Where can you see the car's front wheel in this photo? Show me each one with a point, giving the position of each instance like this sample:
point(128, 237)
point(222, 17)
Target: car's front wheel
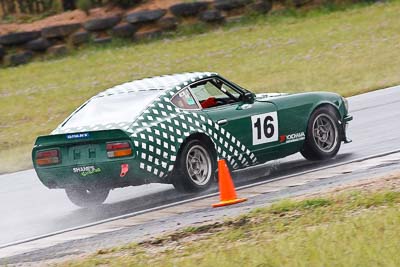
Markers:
point(86, 198)
point(323, 136)
point(195, 167)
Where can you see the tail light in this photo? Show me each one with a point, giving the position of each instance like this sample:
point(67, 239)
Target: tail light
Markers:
point(118, 149)
point(48, 157)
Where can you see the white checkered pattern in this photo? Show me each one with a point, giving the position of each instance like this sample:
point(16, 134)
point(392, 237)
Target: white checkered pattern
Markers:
point(161, 129)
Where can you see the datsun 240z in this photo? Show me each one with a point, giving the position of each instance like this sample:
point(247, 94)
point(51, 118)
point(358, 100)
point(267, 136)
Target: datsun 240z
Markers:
point(173, 128)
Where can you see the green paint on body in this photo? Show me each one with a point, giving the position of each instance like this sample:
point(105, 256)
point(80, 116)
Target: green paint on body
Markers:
point(245, 132)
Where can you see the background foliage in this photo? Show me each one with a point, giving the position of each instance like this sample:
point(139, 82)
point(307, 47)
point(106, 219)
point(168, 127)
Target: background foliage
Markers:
point(48, 7)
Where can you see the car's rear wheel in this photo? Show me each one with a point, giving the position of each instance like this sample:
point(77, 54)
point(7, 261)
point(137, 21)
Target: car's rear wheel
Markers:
point(195, 167)
point(85, 197)
point(323, 136)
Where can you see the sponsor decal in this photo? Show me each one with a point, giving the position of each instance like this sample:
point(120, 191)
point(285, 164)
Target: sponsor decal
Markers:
point(190, 101)
point(87, 170)
point(77, 136)
point(292, 137)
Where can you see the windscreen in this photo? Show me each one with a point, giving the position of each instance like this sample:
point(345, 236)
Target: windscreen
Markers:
point(112, 109)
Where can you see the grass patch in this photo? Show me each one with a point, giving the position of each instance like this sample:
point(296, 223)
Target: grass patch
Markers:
point(355, 228)
point(289, 205)
point(348, 51)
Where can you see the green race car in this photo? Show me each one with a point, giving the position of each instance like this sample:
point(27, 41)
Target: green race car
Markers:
point(173, 128)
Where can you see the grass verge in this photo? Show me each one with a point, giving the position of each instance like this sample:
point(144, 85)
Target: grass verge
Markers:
point(350, 228)
point(349, 52)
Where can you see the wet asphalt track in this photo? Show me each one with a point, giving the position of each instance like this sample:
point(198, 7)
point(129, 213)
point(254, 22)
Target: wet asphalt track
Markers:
point(29, 209)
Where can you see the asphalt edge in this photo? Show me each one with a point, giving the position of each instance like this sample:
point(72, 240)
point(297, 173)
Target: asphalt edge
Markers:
point(125, 216)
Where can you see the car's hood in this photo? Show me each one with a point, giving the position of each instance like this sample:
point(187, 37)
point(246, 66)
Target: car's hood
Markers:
point(268, 96)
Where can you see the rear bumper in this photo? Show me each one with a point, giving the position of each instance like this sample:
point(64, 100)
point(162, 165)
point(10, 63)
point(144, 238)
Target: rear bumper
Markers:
point(99, 174)
point(345, 124)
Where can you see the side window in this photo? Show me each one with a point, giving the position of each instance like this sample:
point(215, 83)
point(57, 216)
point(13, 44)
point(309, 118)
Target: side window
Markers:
point(184, 100)
point(206, 90)
point(213, 92)
point(226, 88)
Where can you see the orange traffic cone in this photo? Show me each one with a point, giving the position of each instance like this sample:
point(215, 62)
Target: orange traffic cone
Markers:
point(226, 187)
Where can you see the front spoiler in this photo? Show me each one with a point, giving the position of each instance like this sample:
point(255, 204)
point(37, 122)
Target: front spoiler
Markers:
point(345, 124)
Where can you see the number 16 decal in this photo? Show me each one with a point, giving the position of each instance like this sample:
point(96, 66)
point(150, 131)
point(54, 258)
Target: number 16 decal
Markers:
point(265, 128)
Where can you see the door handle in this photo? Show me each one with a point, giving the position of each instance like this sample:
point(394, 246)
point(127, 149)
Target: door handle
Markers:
point(222, 122)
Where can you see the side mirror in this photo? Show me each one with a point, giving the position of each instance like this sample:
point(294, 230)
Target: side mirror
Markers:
point(248, 97)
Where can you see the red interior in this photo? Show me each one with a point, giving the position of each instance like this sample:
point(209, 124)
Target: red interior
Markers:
point(209, 102)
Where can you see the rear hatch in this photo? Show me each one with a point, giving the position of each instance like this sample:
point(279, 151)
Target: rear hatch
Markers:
point(80, 148)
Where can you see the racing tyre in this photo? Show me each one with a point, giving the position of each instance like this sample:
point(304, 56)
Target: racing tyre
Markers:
point(195, 168)
point(86, 198)
point(323, 135)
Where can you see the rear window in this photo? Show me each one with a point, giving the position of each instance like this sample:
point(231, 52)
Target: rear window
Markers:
point(112, 109)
